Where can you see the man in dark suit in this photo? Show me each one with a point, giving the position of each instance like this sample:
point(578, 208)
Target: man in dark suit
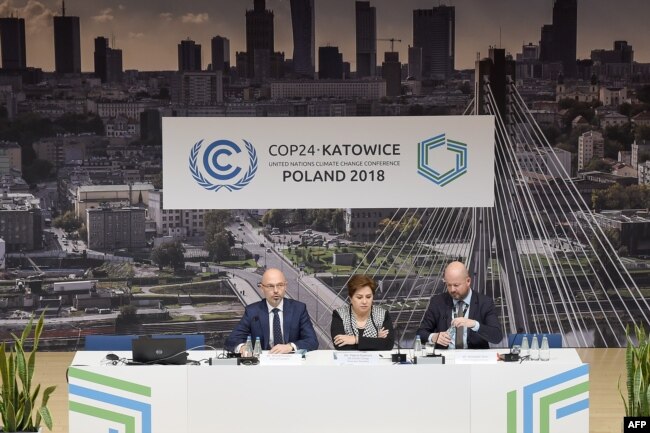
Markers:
point(283, 325)
point(460, 318)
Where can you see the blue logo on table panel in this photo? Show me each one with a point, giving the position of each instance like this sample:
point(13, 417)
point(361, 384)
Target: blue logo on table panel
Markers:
point(222, 164)
point(433, 170)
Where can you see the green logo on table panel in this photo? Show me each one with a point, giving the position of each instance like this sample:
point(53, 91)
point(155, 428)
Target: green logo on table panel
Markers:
point(552, 391)
point(116, 402)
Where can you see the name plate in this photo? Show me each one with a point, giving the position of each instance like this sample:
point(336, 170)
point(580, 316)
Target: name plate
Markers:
point(280, 359)
point(475, 357)
point(356, 358)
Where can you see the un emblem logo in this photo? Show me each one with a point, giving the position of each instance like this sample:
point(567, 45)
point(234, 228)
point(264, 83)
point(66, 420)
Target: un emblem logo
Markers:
point(223, 165)
point(433, 170)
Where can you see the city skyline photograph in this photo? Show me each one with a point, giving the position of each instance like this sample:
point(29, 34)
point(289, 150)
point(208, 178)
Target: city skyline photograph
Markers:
point(166, 168)
point(148, 31)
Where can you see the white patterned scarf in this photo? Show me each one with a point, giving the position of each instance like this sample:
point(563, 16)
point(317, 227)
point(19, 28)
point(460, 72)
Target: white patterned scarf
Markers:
point(375, 320)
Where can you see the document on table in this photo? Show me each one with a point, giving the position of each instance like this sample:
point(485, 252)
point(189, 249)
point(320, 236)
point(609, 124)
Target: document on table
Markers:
point(475, 357)
point(356, 358)
point(281, 359)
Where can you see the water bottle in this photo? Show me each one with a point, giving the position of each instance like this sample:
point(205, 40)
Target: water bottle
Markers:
point(452, 333)
point(525, 349)
point(417, 346)
point(544, 351)
point(534, 349)
point(257, 349)
point(248, 348)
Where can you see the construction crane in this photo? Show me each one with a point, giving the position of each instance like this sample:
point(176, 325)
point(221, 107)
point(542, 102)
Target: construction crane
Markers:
point(392, 42)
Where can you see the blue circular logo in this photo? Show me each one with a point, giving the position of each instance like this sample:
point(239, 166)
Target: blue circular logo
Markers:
point(221, 165)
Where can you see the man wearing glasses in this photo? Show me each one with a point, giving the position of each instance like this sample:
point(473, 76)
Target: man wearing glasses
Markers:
point(461, 318)
point(283, 325)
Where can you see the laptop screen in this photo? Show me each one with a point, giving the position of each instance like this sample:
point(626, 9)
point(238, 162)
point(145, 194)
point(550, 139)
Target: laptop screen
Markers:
point(147, 350)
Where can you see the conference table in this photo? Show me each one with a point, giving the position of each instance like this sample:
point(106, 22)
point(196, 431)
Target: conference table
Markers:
point(330, 391)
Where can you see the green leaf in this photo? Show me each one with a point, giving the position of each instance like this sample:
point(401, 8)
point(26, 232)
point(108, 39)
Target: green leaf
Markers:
point(10, 420)
point(629, 366)
point(21, 366)
point(46, 394)
point(18, 407)
point(627, 411)
point(45, 414)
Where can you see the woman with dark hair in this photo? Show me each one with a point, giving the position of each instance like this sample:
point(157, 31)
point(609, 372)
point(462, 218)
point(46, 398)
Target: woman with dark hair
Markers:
point(360, 325)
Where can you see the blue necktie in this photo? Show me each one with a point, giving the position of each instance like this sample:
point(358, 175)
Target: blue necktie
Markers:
point(277, 329)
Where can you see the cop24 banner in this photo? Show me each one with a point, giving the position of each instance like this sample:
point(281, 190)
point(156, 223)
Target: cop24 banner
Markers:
point(328, 162)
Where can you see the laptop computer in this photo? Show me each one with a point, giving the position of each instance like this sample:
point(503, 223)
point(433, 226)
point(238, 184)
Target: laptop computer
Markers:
point(147, 350)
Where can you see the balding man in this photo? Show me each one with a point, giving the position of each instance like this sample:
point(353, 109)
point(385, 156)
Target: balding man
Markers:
point(283, 325)
point(470, 314)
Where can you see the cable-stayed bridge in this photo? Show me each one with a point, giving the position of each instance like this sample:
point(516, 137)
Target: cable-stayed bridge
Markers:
point(539, 252)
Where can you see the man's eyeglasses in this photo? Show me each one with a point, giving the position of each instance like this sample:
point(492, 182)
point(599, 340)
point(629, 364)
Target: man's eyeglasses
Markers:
point(273, 286)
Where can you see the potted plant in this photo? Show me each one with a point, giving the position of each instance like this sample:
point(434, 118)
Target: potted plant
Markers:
point(19, 411)
point(637, 363)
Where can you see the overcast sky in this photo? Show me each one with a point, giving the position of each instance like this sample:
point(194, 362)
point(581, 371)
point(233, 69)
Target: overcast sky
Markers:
point(148, 31)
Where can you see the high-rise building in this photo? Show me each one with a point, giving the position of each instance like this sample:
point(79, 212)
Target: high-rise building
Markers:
point(220, 54)
point(366, 32)
point(150, 125)
point(114, 67)
point(67, 45)
point(108, 61)
point(565, 35)
point(259, 36)
point(241, 64)
point(391, 71)
point(330, 63)
point(347, 70)
point(183, 222)
point(10, 157)
point(101, 46)
point(20, 221)
point(627, 53)
point(197, 88)
point(12, 37)
point(189, 56)
point(546, 43)
point(415, 63)
point(528, 64)
point(434, 30)
point(341, 89)
point(622, 53)
point(115, 228)
point(590, 145)
point(304, 37)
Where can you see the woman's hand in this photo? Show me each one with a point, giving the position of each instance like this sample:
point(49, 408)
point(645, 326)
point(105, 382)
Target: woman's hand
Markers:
point(345, 340)
point(383, 333)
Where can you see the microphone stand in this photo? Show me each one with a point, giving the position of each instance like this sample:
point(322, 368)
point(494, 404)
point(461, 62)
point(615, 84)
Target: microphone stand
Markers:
point(399, 357)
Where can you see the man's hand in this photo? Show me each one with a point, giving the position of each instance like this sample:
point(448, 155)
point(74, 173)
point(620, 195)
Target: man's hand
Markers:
point(443, 339)
point(345, 340)
point(463, 321)
point(282, 348)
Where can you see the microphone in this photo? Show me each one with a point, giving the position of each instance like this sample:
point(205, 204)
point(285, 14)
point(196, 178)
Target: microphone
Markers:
point(513, 356)
point(514, 338)
point(255, 319)
point(399, 357)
